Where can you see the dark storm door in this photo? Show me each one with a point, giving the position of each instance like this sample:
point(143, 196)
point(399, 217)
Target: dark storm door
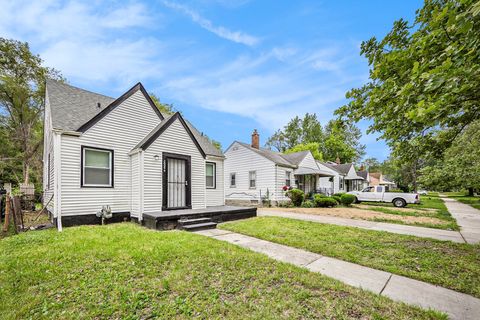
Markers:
point(176, 186)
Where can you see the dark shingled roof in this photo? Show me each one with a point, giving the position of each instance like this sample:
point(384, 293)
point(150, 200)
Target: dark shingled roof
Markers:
point(362, 174)
point(340, 168)
point(276, 157)
point(343, 168)
point(291, 160)
point(72, 107)
point(296, 157)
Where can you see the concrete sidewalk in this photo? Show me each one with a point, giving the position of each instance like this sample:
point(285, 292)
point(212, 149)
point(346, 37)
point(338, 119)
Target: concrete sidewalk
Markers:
point(456, 305)
point(438, 234)
point(468, 218)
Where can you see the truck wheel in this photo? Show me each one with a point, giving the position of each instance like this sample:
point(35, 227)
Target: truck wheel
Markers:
point(399, 202)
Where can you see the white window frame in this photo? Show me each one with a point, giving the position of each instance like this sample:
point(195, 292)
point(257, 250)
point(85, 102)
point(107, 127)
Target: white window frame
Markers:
point(288, 178)
point(214, 186)
point(254, 180)
point(233, 174)
point(110, 176)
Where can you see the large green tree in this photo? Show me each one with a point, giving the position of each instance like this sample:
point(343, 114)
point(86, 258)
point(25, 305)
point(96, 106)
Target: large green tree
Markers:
point(313, 147)
point(336, 139)
point(22, 93)
point(460, 166)
point(423, 88)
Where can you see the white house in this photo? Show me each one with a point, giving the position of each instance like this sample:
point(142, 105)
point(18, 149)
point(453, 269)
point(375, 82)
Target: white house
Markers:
point(123, 153)
point(253, 173)
point(345, 177)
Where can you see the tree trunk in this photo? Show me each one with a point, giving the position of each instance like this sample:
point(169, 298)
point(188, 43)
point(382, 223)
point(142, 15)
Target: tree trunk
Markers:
point(470, 192)
point(26, 172)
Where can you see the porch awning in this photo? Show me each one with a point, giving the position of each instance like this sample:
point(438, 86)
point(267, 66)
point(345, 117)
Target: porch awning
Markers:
point(354, 178)
point(300, 171)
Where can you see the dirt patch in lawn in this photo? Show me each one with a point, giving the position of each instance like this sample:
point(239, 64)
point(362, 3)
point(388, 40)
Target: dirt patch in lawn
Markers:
point(407, 210)
point(362, 214)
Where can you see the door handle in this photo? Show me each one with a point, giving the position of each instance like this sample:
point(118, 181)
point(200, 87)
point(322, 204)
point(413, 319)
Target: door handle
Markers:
point(186, 183)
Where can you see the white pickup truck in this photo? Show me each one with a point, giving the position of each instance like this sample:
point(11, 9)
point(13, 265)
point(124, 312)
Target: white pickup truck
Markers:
point(379, 194)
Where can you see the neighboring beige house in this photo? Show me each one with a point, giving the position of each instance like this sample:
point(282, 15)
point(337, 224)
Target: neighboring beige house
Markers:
point(378, 179)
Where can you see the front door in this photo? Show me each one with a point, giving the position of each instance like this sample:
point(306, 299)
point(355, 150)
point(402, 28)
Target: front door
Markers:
point(176, 186)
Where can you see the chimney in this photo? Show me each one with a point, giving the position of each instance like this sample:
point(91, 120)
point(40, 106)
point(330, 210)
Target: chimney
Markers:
point(362, 167)
point(255, 139)
point(337, 161)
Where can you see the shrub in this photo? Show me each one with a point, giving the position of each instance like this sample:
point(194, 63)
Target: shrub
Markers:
point(338, 194)
point(308, 204)
point(325, 202)
point(337, 198)
point(347, 199)
point(285, 204)
point(297, 196)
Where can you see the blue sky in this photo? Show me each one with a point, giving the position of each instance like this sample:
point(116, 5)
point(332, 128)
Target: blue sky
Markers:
point(229, 66)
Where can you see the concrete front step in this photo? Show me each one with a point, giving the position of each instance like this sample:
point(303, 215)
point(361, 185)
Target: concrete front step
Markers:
point(186, 222)
point(199, 226)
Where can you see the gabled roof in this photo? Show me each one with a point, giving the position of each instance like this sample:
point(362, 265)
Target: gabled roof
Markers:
point(273, 156)
point(75, 109)
point(295, 158)
point(343, 168)
point(138, 87)
point(71, 107)
point(363, 174)
point(158, 130)
point(207, 146)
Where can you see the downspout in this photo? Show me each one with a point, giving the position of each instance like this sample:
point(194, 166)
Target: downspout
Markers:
point(141, 157)
point(57, 151)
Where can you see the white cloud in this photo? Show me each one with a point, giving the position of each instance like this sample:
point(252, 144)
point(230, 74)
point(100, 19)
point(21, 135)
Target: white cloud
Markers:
point(235, 36)
point(253, 87)
point(86, 41)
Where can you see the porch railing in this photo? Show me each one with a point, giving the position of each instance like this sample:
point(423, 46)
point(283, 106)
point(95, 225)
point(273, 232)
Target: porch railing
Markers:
point(325, 191)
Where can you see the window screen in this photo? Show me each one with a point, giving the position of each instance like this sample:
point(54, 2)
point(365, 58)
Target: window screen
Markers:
point(97, 168)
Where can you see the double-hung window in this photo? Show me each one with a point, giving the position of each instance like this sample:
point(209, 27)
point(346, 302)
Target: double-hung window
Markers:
point(97, 167)
point(252, 178)
point(210, 170)
point(288, 176)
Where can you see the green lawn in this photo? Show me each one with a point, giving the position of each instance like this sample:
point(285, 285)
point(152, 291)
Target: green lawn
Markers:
point(464, 198)
point(451, 265)
point(124, 271)
point(431, 201)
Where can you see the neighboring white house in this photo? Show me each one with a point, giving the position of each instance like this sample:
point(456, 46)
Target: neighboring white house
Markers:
point(123, 153)
point(345, 177)
point(253, 173)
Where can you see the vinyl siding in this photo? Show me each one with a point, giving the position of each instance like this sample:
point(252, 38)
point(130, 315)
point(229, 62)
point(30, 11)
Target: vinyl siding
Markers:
point(308, 162)
point(281, 180)
point(215, 197)
point(119, 130)
point(242, 161)
point(48, 150)
point(174, 139)
point(136, 177)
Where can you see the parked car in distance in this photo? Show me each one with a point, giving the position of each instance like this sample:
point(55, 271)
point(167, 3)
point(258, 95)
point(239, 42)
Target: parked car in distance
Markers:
point(422, 192)
point(380, 194)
